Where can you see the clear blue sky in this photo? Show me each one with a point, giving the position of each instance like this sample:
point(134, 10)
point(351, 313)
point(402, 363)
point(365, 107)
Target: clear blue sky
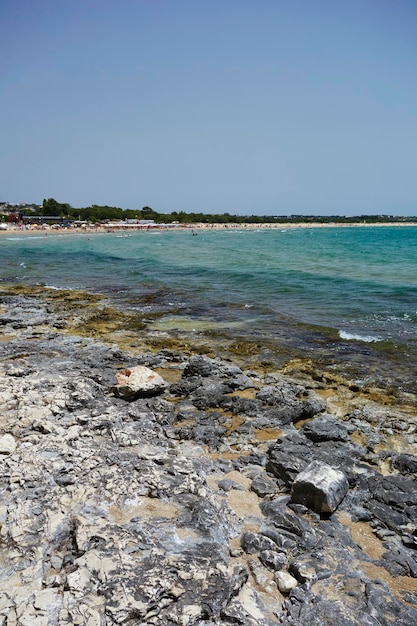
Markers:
point(265, 107)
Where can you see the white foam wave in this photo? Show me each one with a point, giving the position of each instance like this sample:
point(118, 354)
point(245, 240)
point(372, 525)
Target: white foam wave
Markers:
point(356, 337)
point(26, 237)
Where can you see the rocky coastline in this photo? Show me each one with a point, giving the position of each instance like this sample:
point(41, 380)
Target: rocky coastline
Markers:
point(172, 486)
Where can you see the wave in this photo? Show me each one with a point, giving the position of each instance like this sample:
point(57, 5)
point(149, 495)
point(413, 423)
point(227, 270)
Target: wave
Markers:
point(357, 337)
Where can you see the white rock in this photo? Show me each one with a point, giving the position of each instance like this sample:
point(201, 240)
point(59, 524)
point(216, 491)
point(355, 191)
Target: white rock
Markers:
point(138, 381)
point(285, 581)
point(7, 444)
point(93, 618)
point(46, 598)
point(247, 599)
point(189, 613)
point(6, 602)
point(30, 618)
point(79, 580)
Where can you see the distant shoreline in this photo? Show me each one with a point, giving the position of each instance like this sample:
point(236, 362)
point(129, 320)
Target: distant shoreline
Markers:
point(49, 230)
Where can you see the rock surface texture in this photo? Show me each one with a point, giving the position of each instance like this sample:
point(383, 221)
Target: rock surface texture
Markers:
point(181, 505)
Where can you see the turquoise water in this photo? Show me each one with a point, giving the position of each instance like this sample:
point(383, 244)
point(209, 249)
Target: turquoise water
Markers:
point(359, 282)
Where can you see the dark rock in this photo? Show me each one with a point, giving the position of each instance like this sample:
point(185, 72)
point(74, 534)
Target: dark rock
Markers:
point(199, 366)
point(409, 597)
point(204, 431)
point(385, 514)
point(285, 406)
point(312, 406)
point(306, 609)
point(277, 507)
point(299, 509)
point(211, 395)
point(289, 524)
point(409, 537)
point(240, 381)
point(254, 542)
point(303, 570)
point(284, 415)
point(272, 560)
point(326, 428)
point(389, 611)
point(282, 541)
point(286, 465)
point(289, 402)
point(263, 485)
point(405, 463)
point(291, 454)
point(398, 560)
point(238, 405)
point(393, 500)
point(185, 386)
point(227, 484)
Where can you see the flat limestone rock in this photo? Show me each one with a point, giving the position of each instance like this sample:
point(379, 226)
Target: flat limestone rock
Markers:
point(137, 382)
point(319, 487)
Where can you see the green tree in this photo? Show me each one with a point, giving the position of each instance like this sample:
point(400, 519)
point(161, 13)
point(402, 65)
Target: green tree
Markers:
point(149, 214)
point(52, 207)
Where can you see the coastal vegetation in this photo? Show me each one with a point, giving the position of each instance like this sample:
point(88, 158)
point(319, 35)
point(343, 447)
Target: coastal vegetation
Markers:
point(100, 213)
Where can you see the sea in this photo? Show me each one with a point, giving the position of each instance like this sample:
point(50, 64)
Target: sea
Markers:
point(345, 297)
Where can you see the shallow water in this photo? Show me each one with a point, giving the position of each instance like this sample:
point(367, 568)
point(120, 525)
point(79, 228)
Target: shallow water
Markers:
point(348, 295)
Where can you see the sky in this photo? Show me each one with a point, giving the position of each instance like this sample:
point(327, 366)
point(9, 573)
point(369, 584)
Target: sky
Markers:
point(249, 107)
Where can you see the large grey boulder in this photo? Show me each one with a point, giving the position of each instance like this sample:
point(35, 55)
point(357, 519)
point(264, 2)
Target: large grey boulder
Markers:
point(319, 487)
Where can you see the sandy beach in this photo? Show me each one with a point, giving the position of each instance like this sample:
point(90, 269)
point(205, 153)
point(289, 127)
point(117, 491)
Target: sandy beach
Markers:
point(47, 229)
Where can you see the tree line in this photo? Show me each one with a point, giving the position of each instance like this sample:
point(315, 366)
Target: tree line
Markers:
point(98, 213)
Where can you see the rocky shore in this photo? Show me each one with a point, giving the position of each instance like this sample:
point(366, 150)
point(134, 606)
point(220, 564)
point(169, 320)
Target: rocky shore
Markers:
point(162, 487)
